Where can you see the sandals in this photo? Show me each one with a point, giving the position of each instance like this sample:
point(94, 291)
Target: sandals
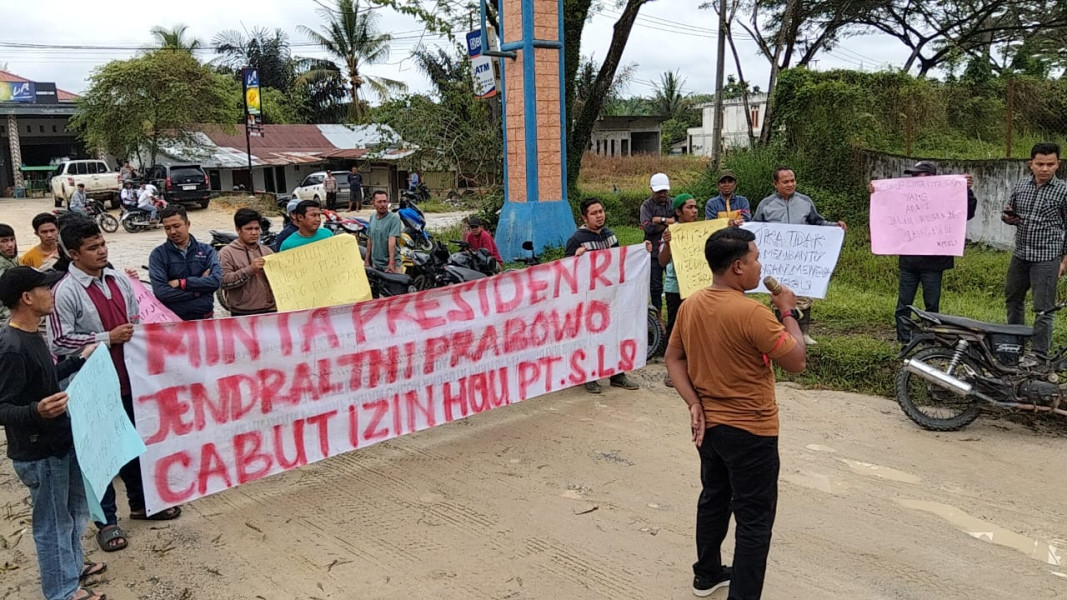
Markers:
point(166, 515)
point(90, 569)
point(87, 594)
point(107, 538)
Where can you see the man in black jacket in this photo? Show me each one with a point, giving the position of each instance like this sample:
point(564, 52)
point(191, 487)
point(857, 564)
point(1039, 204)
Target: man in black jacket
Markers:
point(40, 444)
point(924, 270)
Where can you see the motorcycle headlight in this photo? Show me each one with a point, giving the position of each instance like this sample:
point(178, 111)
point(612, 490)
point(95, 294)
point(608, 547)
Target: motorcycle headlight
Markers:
point(406, 241)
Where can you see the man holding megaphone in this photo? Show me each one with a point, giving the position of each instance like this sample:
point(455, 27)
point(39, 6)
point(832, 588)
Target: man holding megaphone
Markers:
point(719, 358)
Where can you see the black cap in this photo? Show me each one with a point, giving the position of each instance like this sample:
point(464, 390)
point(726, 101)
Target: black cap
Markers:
point(475, 222)
point(922, 168)
point(16, 281)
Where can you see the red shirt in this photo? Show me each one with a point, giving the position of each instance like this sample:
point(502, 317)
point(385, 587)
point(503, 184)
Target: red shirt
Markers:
point(483, 240)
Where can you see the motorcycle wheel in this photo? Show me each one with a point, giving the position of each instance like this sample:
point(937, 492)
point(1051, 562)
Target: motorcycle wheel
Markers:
point(130, 226)
point(221, 297)
point(930, 406)
point(109, 223)
point(657, 335)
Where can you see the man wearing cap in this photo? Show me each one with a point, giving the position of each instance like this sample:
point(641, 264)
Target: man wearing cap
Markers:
point(727, 205)
point(40, 444)
point(926, 271)
point(479, 238)
point(787, 205)
point(657, 212)
point(290, 226)
point(685, 211)
point(78, 200)
point(9, 253)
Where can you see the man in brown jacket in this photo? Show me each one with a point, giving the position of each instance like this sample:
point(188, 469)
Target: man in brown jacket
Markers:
point(244, 283)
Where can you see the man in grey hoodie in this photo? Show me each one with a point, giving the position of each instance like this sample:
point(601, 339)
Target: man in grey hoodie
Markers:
point(244, 283)
point(785, 205)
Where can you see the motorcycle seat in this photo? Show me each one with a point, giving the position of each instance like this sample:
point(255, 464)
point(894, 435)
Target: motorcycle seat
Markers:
point(973, 325)
point(399, 278)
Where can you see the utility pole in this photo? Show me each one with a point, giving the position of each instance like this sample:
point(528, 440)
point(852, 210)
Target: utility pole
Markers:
point(720, 64)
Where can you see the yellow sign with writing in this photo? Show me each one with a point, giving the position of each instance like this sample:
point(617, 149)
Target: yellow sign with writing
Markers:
point(326, 273)
point(687, 253)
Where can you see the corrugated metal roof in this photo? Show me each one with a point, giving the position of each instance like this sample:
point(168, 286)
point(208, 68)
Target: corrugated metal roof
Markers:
point(61, 95)
point(358, 136)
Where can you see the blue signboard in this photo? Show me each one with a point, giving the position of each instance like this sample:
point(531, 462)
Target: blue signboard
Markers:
point(18, 91)
point(251, 78)
point(474, 43)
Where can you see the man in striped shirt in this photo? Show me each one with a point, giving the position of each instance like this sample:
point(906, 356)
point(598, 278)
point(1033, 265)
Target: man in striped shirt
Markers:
point(1038, 210)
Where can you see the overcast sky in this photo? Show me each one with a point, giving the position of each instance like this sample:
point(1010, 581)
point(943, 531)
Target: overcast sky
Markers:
point(670, 35)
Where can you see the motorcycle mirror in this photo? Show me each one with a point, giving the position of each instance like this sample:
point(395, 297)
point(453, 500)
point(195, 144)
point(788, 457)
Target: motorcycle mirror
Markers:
point(528, 246)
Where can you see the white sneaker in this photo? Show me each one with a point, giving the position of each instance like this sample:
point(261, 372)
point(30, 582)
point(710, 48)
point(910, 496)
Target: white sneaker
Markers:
point(810, 341)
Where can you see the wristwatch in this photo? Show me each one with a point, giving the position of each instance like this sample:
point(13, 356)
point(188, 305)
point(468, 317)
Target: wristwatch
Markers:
point(792, 313)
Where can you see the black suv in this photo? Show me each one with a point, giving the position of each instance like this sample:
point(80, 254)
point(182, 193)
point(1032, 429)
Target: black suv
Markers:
point(184, 184)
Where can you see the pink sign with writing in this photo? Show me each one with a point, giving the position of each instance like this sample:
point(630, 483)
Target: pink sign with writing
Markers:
point(919, 215)
point(152, 310)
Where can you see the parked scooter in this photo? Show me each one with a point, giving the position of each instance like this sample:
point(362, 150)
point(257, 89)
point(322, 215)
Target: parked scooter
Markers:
point(351, 225)
point(481, 261)
point(415, 224)
point(95, 210)
point(384, 285)
point(221, 239)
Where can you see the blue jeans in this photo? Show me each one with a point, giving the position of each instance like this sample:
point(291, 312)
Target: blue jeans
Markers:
point(909, 286)
point(59, 518)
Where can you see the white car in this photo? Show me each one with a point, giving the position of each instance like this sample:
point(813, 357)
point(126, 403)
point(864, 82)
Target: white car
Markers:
point(311, 188)
point(100, 181)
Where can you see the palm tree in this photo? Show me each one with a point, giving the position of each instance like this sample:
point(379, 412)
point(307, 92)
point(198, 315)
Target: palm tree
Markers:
point(352, 38)
point(174, 38)
point(669, 100)
point(266, 51)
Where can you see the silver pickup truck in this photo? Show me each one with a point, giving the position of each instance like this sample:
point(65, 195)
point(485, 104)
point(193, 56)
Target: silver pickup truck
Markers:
point(100, 181)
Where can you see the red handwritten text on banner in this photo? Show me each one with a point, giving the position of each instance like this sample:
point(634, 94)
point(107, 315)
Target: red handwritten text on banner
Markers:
point(224, 402)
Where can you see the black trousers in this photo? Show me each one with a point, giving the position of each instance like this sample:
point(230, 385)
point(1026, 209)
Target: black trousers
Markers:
point(130, 473)
point(655, 285)
point(673, 302)
point(331, 200)
point(739, 472)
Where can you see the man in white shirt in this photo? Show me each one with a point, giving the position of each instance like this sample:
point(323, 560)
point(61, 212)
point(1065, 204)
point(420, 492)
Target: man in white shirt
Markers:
point(146, 200)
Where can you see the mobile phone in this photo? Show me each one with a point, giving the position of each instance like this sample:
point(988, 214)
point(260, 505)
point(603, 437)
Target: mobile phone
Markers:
point(1011, 212)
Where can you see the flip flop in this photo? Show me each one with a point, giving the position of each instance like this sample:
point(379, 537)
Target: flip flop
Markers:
point(109, 534)
point(90, 569)
point(165, 515)
point(88, 595)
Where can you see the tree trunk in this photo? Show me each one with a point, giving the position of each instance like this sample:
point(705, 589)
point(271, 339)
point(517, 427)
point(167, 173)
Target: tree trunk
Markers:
point(743, 83)
point(581, 130)
point(787, 17)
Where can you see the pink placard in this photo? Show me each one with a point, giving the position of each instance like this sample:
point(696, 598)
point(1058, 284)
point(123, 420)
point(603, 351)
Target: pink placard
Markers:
point(152, 310)
point(919, 215)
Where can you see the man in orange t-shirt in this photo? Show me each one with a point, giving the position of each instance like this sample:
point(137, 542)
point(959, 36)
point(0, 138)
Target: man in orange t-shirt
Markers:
point(719, 358)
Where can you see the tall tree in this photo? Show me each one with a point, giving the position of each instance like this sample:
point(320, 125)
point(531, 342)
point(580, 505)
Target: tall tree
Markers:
point(175, 38)
point(266, 51)
point(136, 107)
point(586, 77)
point(351, 37)
point(669, 100)
point(935, 31)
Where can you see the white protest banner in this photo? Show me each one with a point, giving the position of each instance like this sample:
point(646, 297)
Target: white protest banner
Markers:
point(800, 257)
point(919, 215)
point(223, 402)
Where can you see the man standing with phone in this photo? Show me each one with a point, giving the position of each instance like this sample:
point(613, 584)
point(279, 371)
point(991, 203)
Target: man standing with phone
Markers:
point(1038, 210)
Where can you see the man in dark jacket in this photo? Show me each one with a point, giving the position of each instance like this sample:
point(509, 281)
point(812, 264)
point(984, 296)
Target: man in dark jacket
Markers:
point(185, 273)
point(926, 271)
point(40, 444)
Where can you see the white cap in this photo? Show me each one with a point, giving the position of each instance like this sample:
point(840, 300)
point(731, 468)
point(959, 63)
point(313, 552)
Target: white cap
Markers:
point(292, 205)
point(660, 182)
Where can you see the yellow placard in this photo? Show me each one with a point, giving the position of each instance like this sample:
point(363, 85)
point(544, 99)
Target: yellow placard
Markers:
point(687, 253)
point(325, 273)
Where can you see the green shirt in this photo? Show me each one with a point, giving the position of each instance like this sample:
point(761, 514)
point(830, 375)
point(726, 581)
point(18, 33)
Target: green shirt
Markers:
point(379, 232)
point(5, 264)
point(670, 279)
point(296, 240)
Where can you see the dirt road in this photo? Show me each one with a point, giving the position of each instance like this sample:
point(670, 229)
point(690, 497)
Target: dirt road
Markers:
point(582, 497)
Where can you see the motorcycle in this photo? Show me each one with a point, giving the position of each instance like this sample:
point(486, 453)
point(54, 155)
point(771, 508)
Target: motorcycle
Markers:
point(481, 261)
point(420, 194)
point(351, 225)
point(962, 365)
point(415, 224)
point(384, 285)
point(96, 211)
point(221, 239)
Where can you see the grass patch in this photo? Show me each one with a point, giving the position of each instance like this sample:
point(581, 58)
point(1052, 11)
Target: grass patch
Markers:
point(630, 174)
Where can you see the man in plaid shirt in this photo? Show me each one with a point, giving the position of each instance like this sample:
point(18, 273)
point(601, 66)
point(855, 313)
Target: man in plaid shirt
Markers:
point(1038, 210)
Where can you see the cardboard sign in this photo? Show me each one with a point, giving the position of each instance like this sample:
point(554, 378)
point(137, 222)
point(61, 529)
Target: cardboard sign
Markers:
point(687, 252)
point(800, 257)
point(325, 273)
point(223, 402)
point(104, 438)
point(919, 215)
